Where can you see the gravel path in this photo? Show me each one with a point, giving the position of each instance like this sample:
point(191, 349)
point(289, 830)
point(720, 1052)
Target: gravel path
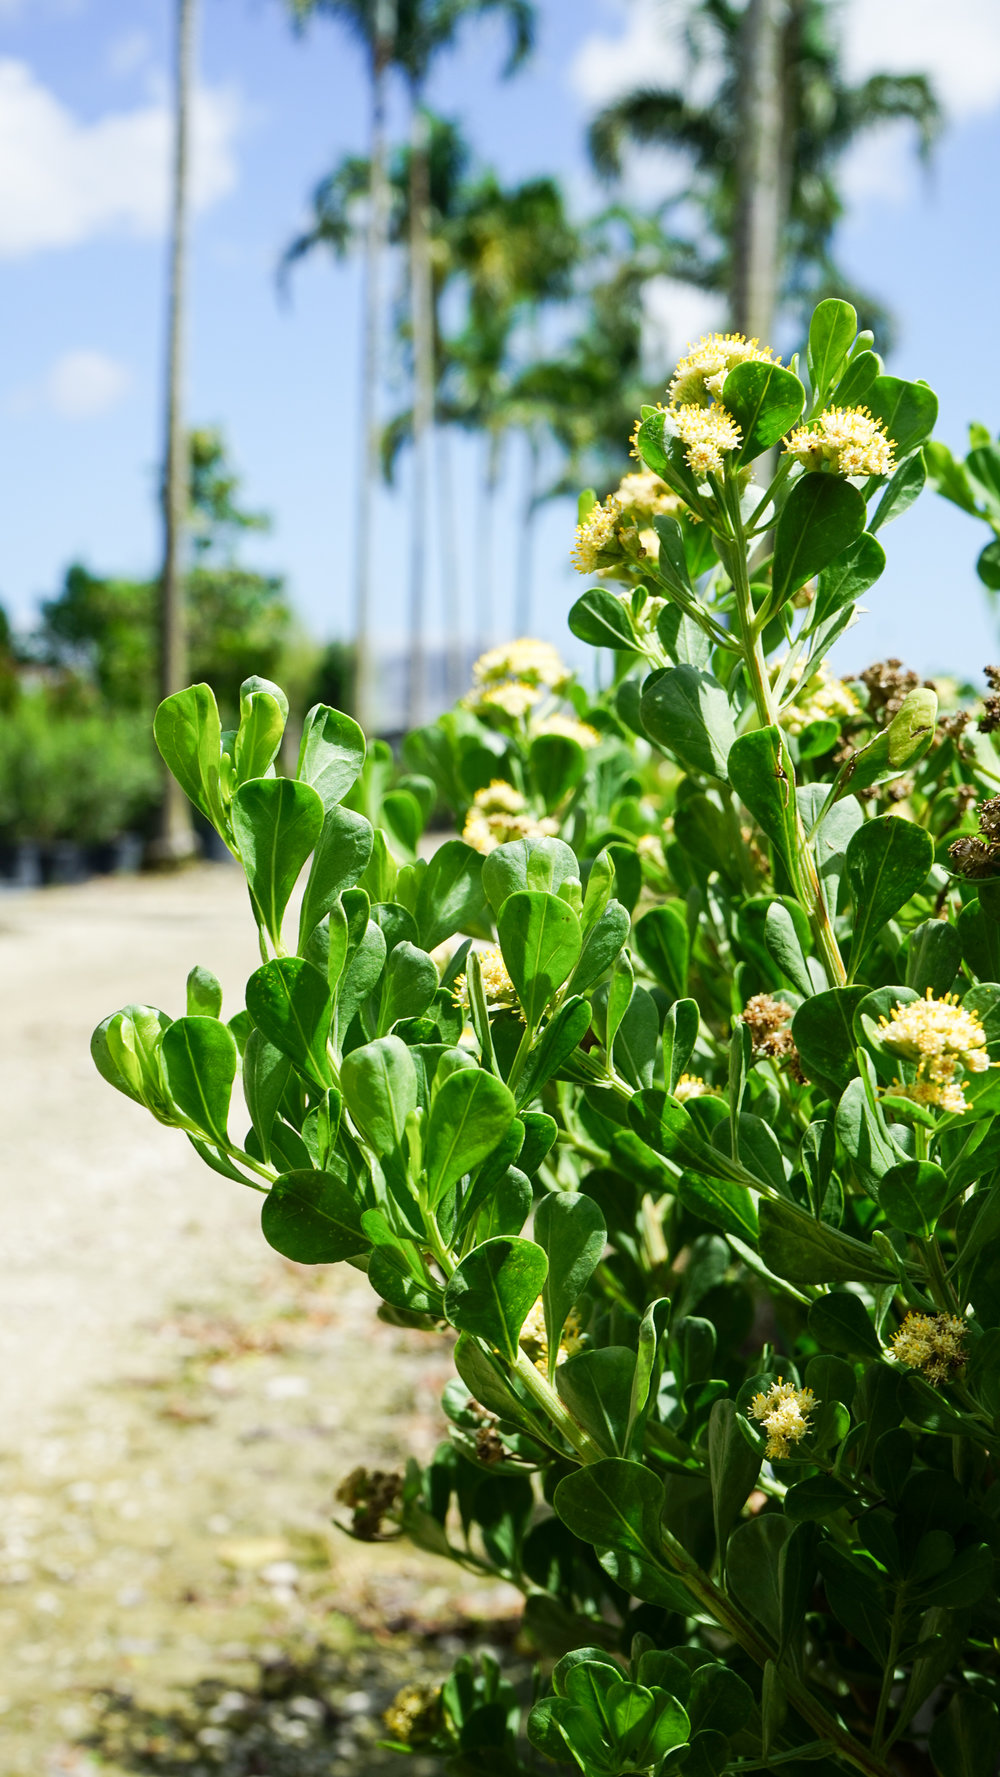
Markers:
point(177, 1404)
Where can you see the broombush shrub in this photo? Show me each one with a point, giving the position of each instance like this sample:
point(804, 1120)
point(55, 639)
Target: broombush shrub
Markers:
point(666, 1093)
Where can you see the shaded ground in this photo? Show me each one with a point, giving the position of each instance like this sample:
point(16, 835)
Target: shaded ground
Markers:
point(178, 1404)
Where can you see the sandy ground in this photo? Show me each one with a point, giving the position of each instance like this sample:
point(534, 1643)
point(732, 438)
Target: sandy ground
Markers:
point(177, 1404)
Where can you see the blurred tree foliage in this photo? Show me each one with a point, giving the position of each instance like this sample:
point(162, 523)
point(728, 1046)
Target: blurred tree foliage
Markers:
point(105, 629)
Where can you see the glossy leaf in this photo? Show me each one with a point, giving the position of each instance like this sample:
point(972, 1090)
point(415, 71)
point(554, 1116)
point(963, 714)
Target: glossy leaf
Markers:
point(907, 410)
point(597, 1387)
point(662, 940)
point(765, 400)
point(733, 1467)
point(616, 1505)
point(527, 863)
point(887, 861)
point(276, 822)
point(493, 1289)
point(188, 733)
point(331, 754)
point(470, 1115)
point(541, 943)
point(822, 516)
point(601, 620)
point(379, 1083)
point(804, 1251)
point(569, 1227)
point(762, 774)
point(341, 857)
point(686, 712)
point(263, 714)
point(450, 898)
point(840, 1322)
point(311, 1217)
point(200, 1060)
point(290, 1004)
point(831, 335)
point(913, 1196)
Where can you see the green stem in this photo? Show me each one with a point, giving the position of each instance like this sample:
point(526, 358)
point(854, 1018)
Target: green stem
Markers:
point(798, 1694)
point(544, 1396)
point(888, 1677)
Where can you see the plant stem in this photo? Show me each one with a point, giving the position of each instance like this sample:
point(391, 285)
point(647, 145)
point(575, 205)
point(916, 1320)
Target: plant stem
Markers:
point(545, 1397)
point(895, 1634)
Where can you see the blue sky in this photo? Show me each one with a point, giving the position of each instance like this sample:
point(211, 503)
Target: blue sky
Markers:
point(83, 141)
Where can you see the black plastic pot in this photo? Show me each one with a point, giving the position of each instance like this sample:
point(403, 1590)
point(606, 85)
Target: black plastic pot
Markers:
point(121, 856)
point(62, 861)
point(20, 865)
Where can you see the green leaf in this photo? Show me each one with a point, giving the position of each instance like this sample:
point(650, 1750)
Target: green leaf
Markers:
point(601, 620)
point(450, 898)
point(905, 486)
point(762, 774)
point(541, 942)
point(933, 957)
point(821, 517)
point(719, 1699)
point(636, 1039)
point(988, 565)
point(784, 946)
point(862, 369)
point(680, 1033)
point(840, 1322)
point(823, 1029)
point(796, 1581)
point(907, 410)
point(899, 747)
point(720, 1202)
point(331, 754)
point(276, 822)
point(793, 1246)
point(831, 335)
point(752, 1569)
point(765, 401)
point(204, 993)
point(290, 1004)
point(493, 1290)
point(686, 712)
point(569, 1227)
point(887, 861)
point(527, 863)
point(913, 1196)
point(848, 578)
point(341, 858)
point(409, 985)
point(379, 1083)
point(188, 733)
point(663, 942)
point(265, 1075)
point(965, 1739)
point(601, 945)
point(471, 1113)
point(552, 1053)
point(733, 1467)
point(616, 1505)
point(556, 763)
point(263, 714)
point(200, 1059)
point(312, 1218)
point(597, 1387)
point(854, 1594)
point(817, 1498)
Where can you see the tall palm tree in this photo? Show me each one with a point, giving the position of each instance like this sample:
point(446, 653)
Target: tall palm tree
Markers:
point(175, 839)
point(763, 150)
point(373, 24)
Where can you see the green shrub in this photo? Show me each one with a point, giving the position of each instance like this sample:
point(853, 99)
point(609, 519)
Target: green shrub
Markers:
point(63, 775)
point(678, 1115)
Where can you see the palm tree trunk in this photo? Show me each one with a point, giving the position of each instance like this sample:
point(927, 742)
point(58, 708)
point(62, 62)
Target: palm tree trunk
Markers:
point(486, 616)
point(762, 198)
point(378, 228)
point(421, 315)
point(524, 599)
point(451, 607)
point(175, 839)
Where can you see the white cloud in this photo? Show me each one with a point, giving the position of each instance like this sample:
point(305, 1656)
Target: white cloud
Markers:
point(957, 44)
point(645, 50)
point(82, 384)
point(130, 52)
point(65, 180)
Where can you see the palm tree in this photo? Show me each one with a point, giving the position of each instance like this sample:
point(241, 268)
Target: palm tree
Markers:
point(763, 151)
point(175, 839)
point(373, 24)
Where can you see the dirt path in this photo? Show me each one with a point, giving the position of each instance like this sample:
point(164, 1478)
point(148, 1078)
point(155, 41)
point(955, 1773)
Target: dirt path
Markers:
point(177, 1404)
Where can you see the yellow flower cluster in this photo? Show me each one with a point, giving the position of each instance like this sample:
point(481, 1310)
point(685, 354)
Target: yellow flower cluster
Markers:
point(821, 696)
point(933, 1343)
point(528, 660)
point(535, 1342)
point(414, 1715)
point(848, 440)
point(597, 534)
point(940, 1036)
point(499, 989)
point(705, 432)
point(645, 496)
point(784, 1414)
point(692, 1086)
point(514, 698)
point(499, 815)
point(568, 727)
point(703, 370)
